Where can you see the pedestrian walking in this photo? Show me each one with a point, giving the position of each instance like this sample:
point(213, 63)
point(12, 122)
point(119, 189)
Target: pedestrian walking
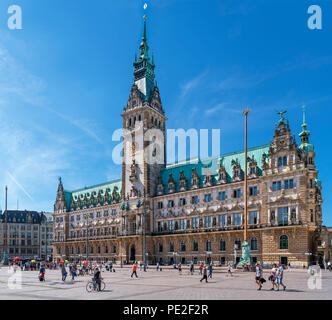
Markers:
point(204, 274)
point(259, 276)
point(111, 266)
point(200, 268)
point(210, 270)
point(157, 266)
point(73, 272)
point(140, 266)
point(134, 270)
point(279, 275)
point(180, 268)
point(42, 273)
point(63, 273)
point(229, 271)
point(303, 265)
point(191, 268)
point(272, 276)
point(289, 267)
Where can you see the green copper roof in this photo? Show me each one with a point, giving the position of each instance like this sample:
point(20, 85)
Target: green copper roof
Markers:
point(305, 146)
point(186, 166)
point(88, 191)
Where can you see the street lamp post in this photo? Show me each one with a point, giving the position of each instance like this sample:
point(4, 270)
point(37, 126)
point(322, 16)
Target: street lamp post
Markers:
point(245, 259)
point(5, 255)
point(86, 216)
point(46, 242)
point(144, 231)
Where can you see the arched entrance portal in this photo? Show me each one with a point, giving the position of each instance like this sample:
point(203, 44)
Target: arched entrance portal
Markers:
point(132, 253)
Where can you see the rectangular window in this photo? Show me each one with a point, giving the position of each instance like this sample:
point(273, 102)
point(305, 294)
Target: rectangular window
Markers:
point(208, 197)
point(182, 202)
point(208, 222)
point(291, 184)
point(253, 191)
point(274, 187)
point(194, 200)
point(283, 216)
point(279, 185)
point(160, 205)
point(286, 184)
point(183, 224)
point(253, 217)
point(222, 195)
point(170, 203)
point(171, 225)
point(237, 219)
point(195, 245)
point(222, 220)
point(195, 223)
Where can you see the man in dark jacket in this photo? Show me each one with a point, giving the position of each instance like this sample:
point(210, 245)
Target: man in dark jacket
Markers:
point(96, 278)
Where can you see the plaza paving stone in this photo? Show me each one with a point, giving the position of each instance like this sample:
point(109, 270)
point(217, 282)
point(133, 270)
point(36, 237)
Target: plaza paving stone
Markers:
point(164, 285)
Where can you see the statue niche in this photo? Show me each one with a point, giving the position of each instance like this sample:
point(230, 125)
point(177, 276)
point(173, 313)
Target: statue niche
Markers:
point(133, 172)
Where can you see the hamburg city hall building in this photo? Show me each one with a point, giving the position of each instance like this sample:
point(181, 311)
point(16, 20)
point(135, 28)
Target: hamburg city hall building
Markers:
point(194, 211)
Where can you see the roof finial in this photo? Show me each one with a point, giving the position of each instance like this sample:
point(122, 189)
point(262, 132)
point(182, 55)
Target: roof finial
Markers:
point(303, 108)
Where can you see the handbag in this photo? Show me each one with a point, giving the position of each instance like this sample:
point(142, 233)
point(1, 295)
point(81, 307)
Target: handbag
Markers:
point(262, 280)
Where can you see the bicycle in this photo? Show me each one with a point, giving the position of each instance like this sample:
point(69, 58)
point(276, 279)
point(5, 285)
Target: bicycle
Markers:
point(93, 286)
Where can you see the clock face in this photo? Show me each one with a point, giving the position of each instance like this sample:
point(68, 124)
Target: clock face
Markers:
point(281, 142)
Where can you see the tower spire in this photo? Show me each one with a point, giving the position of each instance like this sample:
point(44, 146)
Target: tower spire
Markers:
point(144, 69)
point(304, 135)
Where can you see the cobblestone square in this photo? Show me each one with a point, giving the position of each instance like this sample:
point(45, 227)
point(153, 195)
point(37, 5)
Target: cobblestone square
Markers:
point(164, 285)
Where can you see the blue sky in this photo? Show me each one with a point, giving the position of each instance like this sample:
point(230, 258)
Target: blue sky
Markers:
point(65, 78)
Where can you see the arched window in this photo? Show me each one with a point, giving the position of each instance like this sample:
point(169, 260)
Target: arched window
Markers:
point(222, 246)
point(237, 244)
point(195, 245)
point(279, 162)
point(208, 245)
point(283, 242)
point(254, 244)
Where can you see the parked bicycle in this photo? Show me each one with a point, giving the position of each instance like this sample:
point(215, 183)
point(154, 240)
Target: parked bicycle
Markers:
point(93, 285)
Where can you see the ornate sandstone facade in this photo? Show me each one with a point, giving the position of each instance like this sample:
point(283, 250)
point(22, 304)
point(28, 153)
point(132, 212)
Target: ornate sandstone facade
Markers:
point(193, 211)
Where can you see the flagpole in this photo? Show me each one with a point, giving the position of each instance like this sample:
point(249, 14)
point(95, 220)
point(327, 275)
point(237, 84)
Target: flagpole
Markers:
point(246, 111)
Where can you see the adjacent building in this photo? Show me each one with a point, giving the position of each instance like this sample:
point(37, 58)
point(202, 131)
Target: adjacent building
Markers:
point(193, 210)
point(24, 233)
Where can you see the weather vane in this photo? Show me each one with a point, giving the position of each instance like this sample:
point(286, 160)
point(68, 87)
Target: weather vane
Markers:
point(281, 114)
point(145, 7)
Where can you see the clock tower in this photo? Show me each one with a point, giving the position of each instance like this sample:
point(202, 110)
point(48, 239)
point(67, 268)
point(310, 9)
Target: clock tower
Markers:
point(143, 129)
